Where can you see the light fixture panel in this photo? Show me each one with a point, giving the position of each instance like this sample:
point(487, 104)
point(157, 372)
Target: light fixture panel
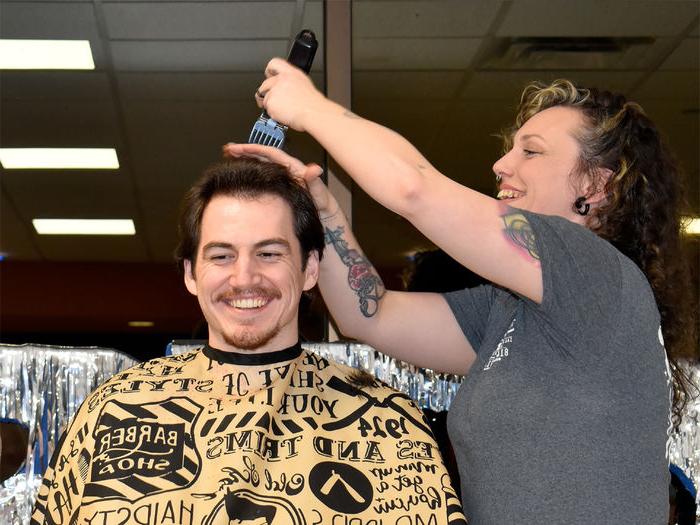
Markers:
point(45, 54)
point(84, 226)
point(59, 158)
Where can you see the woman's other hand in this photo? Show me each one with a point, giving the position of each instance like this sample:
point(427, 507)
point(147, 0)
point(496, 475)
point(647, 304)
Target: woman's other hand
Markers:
point(309, 174)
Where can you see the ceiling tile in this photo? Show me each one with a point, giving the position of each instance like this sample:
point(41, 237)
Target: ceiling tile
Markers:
point(41, 20)
point(418, 123)
point(89, 194)
point(416, 19)
point(200, 55)
point(55, 85)
point(683, 85)
point(508, 85)
point(597, 18)
point(313, 18)
point(413, 53)
point(685, 56)
point(533, 54)
point(46, 123)
point(192, 86)
point(405, 85)
point(198, 20)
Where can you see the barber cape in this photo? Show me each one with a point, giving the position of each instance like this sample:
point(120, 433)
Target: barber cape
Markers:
point(282, 438)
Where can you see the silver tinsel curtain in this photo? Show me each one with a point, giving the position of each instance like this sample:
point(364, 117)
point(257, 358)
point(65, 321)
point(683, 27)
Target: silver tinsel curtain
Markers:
point(42, 387)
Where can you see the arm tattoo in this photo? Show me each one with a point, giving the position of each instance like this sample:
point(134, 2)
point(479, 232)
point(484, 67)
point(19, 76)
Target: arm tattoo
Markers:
point(519, 232)
point(361, 275)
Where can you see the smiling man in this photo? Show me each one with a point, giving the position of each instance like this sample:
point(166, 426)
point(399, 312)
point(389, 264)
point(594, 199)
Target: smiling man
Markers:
point(250, 428)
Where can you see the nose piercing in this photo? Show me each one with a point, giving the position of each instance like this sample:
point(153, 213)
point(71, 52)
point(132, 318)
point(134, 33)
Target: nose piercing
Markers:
point(499, 178)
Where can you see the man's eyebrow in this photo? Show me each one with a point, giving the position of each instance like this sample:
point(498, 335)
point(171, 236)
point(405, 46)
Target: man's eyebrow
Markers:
point(273, 241)
point(260, 244)
point(212, 245)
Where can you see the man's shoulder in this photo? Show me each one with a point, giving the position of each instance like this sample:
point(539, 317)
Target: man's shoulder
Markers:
point(355, 378)
point(148, 379)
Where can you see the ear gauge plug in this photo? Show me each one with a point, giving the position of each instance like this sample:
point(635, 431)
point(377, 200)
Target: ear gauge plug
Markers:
point(581, 206)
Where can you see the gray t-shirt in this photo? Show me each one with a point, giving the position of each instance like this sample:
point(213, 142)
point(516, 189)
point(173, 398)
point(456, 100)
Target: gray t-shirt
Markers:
point(564, 417)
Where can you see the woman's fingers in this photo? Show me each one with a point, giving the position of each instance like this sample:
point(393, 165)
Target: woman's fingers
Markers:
point(267, 154)
point(274, 65)
point(308, 174)
point(263, 90)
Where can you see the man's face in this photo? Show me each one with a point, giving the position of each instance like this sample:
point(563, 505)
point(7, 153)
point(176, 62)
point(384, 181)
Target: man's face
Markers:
point(248, 276)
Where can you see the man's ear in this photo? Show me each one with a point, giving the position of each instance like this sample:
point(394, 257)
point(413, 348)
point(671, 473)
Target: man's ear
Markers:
point(311, 270)
point(190, 282)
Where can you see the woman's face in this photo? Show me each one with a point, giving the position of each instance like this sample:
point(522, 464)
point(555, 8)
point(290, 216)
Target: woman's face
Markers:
point(536, 172)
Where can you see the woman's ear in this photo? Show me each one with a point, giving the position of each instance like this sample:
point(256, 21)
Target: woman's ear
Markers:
point(595, 186)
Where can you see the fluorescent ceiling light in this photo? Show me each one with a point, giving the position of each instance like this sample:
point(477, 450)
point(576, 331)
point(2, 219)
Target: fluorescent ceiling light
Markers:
point(691, 225)
point(45, 54)
point(59, 158)
point(84, 226)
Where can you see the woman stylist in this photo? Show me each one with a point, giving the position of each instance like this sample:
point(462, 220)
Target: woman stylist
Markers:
point(565, 411)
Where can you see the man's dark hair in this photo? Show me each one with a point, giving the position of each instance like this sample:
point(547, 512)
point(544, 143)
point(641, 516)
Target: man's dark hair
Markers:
point(248, 179)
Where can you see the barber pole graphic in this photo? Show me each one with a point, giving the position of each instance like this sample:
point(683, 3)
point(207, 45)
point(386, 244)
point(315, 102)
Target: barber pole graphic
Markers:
point(142, 450)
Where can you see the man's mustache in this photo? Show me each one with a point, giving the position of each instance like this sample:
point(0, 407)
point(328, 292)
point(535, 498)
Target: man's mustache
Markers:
point(248, 293)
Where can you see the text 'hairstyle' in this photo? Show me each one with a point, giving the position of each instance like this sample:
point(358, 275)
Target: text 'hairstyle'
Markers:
point(246, 178)
point(642, 213)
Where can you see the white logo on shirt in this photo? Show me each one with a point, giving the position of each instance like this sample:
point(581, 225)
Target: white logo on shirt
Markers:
point(501, 351)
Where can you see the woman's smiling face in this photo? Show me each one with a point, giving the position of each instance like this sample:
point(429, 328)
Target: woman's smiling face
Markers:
point(536, 173)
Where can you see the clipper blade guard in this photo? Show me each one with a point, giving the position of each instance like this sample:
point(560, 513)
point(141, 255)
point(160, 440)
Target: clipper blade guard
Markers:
point(267, 132)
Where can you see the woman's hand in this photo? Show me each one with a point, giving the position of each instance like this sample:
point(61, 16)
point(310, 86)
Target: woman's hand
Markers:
point(308, 174)
point(287, 94)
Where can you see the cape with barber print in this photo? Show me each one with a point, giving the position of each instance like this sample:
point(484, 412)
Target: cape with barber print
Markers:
point(211, 437)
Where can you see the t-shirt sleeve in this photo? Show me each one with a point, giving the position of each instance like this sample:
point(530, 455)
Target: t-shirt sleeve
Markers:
point(581, 277)
point(471, 308)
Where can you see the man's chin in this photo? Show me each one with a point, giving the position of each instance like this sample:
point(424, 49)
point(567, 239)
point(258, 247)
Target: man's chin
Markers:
point(250, 341)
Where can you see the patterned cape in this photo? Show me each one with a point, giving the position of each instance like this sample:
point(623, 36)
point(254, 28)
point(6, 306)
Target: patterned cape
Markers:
point(210, 437)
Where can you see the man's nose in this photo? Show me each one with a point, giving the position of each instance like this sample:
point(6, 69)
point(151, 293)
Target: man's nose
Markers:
point(245, 272)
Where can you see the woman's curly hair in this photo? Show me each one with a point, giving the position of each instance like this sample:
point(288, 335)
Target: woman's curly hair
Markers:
point(641, 215)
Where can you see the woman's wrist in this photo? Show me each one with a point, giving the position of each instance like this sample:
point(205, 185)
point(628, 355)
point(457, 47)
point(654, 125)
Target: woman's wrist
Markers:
point(327, 215)
point(313, 119)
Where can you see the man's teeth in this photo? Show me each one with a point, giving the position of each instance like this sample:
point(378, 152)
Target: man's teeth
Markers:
point(510, 194)
point(248, 303)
